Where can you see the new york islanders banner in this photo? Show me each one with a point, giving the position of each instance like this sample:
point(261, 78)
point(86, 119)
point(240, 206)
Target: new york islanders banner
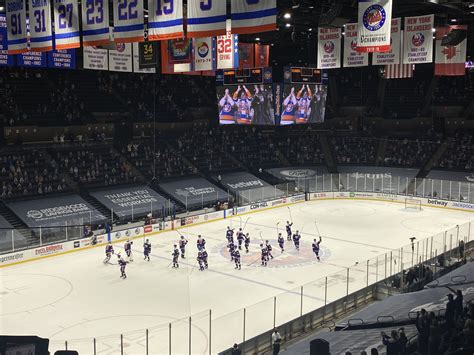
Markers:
point(95, 58)
point(353, 58)
point(205, 53)
point(450, 60)
point(374, 25)
point(253, 16)
point(418, 41)
point(5, 59)
point(206, 18)
point(120, 59)
point(128, 21)
point(16, 26)
point(392, 56)
point(41, 39)
point(165, 19)
point(329, 48)
point(66, 20)
point(95, 23)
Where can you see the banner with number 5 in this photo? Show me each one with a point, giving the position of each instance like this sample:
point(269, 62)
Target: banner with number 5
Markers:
point(253, 16)
point(228, 50)
point(206, 18)
point(66, 24)
point(16, 26)
point(128, 21)
point(95, 22)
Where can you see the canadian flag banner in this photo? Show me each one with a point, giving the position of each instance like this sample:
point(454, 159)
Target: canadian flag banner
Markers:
point(450, 60)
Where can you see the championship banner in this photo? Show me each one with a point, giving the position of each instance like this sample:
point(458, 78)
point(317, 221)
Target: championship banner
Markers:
point(120, 59)
point(16, 26)
point(32, 59)
point(253, 16)
point(165, 19)
point(206, 18)
point(5, 59)
point(352, 57)
point(374, 25)
point(62, 59)
point(418, 41)
point(129, 25)
point(228, 50)
point(246, 55)
point(262, 55)
point(41, 39)
point(392, 56)
point(329, 48)
point(205, 53)
point(96, 59)
point(95, 23)
point(450, 60)
point(145, 57)
point(66, 23)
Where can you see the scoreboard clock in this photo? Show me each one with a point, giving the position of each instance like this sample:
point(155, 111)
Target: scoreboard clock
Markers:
point(247, 76)
point(302, 75)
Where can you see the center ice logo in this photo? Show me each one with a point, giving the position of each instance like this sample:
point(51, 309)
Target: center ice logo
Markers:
point(203, 49)
point(329, 47)
point(418, 39)
point(374, 17)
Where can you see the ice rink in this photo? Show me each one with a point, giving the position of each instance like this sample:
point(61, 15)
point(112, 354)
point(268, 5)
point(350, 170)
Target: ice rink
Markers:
point(75, 297)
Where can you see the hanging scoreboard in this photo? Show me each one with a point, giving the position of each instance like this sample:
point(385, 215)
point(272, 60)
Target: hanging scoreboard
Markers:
point(302, 75)
point(247, 76)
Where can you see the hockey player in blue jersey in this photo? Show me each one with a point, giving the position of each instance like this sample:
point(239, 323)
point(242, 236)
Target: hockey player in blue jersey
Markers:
point(247, 242)
point(204, 258)
point(288, 230)
point(128, 249)
point(122, 263)
point(182, 246)
point(269, 248)
point(147, 250)
point(229, 234)
point(236, 257)
point(296, 240)
point(109, 250)
point(264, 256)
point(200, 260)
point(281, 242)
point(232, 248)
point(240, 238)
point(200, 243)
point(316, 247)
point(175, 256)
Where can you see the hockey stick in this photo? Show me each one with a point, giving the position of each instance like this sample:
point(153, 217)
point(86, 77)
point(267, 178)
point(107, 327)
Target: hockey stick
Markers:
point(245, 225)
point(317, 229)
point(261, 236)
point(278, 232)
point(289, 209)
point(240, 218)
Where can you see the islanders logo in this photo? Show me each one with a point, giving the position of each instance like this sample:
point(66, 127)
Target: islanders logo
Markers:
point(354, 45)
point(120, 47)
point(203, 49)
point(418, 39)
point(374, 17)
point(329, 47)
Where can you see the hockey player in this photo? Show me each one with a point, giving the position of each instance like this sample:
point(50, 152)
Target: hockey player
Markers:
point(240, 238)
point(296, 240)
point(227, 109)
point(288, 230)
point(229, 234)
point(175, 255)
point(109, 250)
point(289, 109)
point(204, 258)
point(264, 254)
point(281, 242)
point(147, 250)
point(232, 248)
point(200, 260)
point(237, 260)
point(128, 249)
point(201, 243)
point(316, 247)
point(182, 246)
point(247, 242)
point(304, 105)
point(269, 248)
point(244, 110)
point(122, 263)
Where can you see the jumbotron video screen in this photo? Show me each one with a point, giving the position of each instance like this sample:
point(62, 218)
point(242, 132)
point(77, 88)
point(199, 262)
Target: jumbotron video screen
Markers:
point(303, 103)
point(250, 104)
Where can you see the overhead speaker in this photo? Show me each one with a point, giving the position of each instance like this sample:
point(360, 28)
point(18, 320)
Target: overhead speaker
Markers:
point(319, 347)
point(454, 37)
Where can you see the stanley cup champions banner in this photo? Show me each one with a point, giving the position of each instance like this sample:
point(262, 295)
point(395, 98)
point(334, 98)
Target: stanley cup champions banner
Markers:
point(128, 21)
point(353, 58)
point(374, 25)
point(66, 20)
point(95, 22)
point(392, 56)
point(418, 41)
point(165, 19)
point(16, 26)
point(206, 18)
point(41, 39)
point(253, 16)
point(329, 48)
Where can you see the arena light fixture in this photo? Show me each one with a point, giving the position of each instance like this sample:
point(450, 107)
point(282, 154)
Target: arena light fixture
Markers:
point(257, 39)
point(287, 15)
point(288, 25)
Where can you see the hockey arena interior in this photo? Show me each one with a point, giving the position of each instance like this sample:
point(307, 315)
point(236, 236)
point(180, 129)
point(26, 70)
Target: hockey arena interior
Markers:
point(236, 177)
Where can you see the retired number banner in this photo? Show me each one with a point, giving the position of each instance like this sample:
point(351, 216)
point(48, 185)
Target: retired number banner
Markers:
point(128, 21)
point(253, 16)
point(66, 19)
point(16, 26)
point(329, 48)
point(418, 41)
point(165, 19)
point(206, 18)
point(353, 58)
point(392, 56)
point(95, 22)
point(374, 25)
point(41, 39)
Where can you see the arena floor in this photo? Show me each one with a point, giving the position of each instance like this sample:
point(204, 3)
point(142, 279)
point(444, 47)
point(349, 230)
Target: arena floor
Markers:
point(75, 297)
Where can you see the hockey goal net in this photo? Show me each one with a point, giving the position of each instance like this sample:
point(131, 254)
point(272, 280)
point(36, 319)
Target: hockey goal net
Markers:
point(413, 203)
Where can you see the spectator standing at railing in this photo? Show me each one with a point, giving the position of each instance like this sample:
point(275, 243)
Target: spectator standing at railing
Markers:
point(423, 327)
point(458, 303)
point(276, 341)
point(391, 342)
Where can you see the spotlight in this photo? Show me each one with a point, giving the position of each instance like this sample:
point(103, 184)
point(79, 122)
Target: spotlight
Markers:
point(288, 25)
point(287, 15)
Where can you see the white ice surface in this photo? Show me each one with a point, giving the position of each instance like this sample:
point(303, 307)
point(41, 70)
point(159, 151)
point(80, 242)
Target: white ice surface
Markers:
point(75, 297)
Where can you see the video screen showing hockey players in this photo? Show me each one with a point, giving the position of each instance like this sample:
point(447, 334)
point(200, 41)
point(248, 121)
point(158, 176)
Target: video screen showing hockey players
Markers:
point(246, 104)
point(303, 103)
